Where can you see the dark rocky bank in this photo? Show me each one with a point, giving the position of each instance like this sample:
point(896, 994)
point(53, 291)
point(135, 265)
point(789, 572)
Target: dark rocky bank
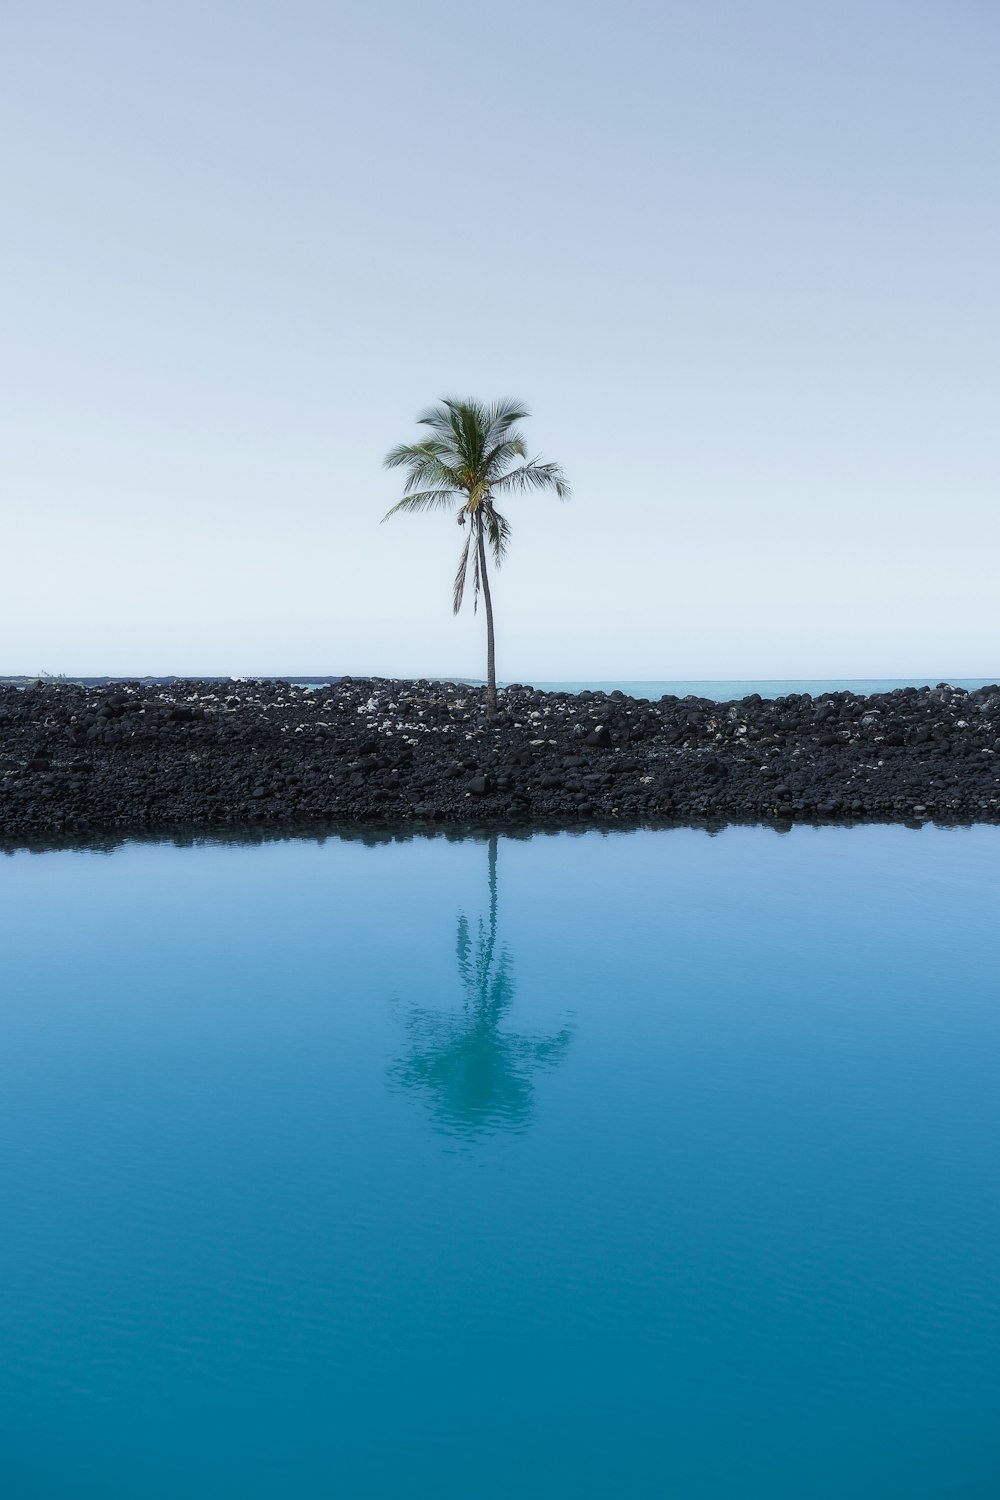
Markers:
point(139, 757)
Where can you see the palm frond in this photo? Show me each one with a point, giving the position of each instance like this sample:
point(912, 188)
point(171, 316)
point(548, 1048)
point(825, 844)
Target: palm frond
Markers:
point(476, 581)
point(463, 567)
point(427, 462)
point(431, 473)
point(498, 458)
point(457, 423)
point(408, 453)
point(440, 418)
point(498, 532)
point(469, 422)
point(535, 476)
point(500, 416)
point(423, 500)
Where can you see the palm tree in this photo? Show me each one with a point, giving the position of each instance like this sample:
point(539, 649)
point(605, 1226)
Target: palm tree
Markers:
point(472, 458)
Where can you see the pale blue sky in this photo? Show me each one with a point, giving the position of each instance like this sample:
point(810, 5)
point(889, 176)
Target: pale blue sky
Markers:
point(740, 259)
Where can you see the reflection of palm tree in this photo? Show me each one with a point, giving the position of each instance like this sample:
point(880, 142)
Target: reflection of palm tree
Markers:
point(477, 1076)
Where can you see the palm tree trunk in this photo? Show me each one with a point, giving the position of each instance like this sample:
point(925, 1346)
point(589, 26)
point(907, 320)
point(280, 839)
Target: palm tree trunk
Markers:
point(491, 664)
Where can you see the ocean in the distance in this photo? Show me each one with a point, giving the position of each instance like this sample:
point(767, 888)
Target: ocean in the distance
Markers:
point(616, 1166)
point(723, 691)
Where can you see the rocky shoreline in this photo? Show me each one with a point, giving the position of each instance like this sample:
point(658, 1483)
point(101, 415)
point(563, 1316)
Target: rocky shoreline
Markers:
point(132, 758)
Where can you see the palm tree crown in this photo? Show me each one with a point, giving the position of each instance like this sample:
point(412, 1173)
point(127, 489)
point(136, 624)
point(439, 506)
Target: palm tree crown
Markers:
point(475, 453)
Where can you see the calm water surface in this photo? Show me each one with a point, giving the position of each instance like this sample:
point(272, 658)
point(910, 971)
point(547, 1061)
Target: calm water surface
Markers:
point(654, 1164)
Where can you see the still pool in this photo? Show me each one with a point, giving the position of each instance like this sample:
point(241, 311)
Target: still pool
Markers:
point(651, 1164)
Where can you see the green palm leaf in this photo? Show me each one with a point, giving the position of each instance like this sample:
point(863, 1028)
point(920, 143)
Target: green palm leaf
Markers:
point(534, 476)
point(423, 500)
point(460, 576)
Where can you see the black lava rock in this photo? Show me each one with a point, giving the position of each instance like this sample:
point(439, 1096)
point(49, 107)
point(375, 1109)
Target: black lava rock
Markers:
point(600, 737)
point(129, 757)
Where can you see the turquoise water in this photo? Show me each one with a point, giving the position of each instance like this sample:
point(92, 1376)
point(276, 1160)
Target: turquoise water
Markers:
point(724, 691)
point(650, 1164)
